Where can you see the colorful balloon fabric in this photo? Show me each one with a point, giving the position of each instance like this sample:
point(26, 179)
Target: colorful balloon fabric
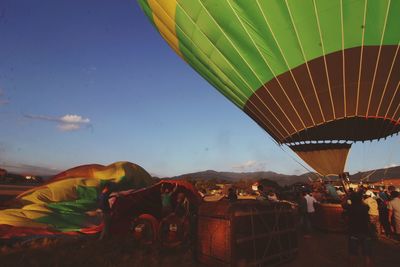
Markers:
point(316, 75)
point(68, 202)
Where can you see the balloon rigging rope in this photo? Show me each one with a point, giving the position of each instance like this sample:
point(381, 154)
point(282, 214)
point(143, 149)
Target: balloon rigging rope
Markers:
point(343, 60)
point(305, 59)
point(298, 162)
point(396, 122)
point(361, 56)
point(325, 63)
point(240, 76)
point(393, 97)
point(392, 149)
point(287, 63)
point(244, 60)
point(377, 59)
point(272, 71)
point(387, 81)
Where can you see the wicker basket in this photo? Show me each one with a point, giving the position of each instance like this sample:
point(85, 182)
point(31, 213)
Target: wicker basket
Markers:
point(246, 233)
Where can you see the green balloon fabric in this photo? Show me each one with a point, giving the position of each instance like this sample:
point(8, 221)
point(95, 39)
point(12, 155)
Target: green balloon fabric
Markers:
point(306, 71)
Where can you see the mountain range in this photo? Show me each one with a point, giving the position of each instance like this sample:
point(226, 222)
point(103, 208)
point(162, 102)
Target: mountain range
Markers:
point(282, 179)
point(285, 179)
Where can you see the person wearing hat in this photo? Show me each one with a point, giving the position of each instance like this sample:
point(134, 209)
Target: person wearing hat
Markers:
point(373, 210)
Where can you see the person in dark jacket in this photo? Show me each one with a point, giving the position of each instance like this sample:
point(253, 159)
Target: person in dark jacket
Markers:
point(232, 194)
point(105, 209)
point(359, 229)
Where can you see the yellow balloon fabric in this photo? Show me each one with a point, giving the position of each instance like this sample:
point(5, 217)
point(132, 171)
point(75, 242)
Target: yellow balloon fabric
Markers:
point(67, 202)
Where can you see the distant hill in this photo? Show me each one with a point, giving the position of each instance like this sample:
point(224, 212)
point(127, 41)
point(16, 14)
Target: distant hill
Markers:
point(284, 179)
point(377, 175)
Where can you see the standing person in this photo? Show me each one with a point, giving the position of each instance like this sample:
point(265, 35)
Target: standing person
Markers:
point(383, 195)
point(391, 189)
point(332, 193)
point(272, 196)
point(303, 211)
point(166, 199)
point(105, 209)
point(182, 205)
point(383, 217)
point(394, 213)
point(310, 200)
point(359, 235)
point(261, 196)
point(232, 194)
point(373, 211)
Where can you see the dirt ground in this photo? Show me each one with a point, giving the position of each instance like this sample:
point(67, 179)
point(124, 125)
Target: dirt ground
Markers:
point(330, 250)
point(321, 250)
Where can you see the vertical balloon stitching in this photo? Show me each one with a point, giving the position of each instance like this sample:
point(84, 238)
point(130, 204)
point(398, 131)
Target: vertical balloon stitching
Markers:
point(361, 57)
point(387, 80)
point(269, 122)
point(272, 71)
point(326, 66)
point(343, 60)
point(230, 41)
point(378, 58)
point(287, 63)
point(306, 62)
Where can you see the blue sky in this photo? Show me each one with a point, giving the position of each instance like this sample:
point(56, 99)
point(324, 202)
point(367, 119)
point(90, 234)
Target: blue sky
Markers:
point(91, 81)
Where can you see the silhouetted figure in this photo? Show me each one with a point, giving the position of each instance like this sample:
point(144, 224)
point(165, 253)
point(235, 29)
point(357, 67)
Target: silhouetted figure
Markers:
point(182, 205)
point(359, 233)
point(261, 195)
point(232, 194)
point(394, 214)
point(166, 199)
point(104, 207)
point(310, 201)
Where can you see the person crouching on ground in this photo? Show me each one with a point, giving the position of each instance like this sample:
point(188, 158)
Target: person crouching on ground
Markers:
point(105, 209)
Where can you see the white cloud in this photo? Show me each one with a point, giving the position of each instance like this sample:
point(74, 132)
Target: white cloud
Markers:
point(75, 119)
point(66, 123)
point(68, 127)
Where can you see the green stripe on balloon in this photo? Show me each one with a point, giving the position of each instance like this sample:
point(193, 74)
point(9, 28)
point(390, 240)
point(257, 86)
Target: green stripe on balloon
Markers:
point(273, 24)
point(392, 33)
point(147, 10)
point(70, 215)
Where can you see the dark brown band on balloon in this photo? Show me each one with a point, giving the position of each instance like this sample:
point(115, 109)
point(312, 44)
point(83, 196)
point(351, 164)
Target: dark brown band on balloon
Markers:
point(356, 97)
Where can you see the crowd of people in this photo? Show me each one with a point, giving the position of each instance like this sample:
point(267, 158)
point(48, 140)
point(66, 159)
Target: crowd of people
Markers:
point(370, 215)
point(383, 204)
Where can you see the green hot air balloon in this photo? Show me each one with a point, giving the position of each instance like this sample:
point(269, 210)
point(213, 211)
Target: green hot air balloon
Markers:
point(317, 75)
